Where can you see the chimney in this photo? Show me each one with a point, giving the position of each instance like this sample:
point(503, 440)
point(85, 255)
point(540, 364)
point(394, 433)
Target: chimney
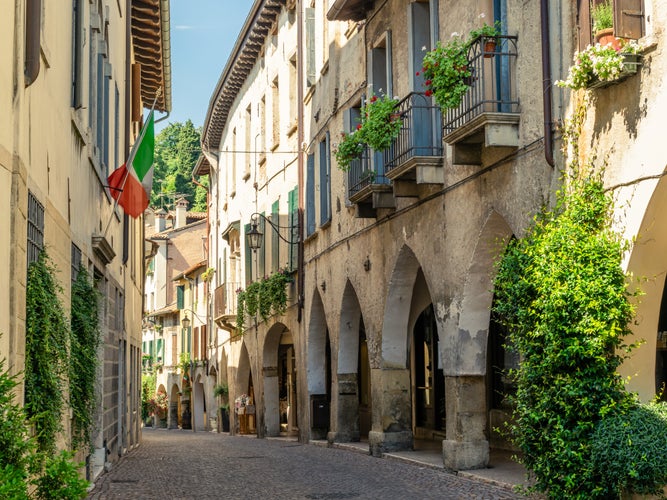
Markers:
point(160, 220)
point(181, 212)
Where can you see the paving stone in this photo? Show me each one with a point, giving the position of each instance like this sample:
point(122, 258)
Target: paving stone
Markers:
point(176, 464)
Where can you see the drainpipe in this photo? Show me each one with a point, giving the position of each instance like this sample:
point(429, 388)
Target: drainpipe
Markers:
point(546, 82)
point(299, 99)
point(33, 21)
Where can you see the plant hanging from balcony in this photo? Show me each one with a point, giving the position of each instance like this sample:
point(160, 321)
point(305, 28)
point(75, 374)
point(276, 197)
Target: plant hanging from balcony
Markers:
point(380, 125)
point(446, 69)
point(266, 296)
point(600, 63)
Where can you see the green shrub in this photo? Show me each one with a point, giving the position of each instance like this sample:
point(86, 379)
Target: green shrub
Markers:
point(563, 295)
point(629, 450)
point(60, 479)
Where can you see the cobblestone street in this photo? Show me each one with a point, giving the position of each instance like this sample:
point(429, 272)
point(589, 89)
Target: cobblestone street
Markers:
point(179, 464)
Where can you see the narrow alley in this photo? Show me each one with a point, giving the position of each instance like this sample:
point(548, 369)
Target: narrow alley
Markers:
point(170, 464)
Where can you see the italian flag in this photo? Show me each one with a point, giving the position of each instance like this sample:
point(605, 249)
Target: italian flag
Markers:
point(131, 186)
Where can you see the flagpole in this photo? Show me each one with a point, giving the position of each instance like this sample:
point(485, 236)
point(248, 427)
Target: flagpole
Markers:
point(128, 163)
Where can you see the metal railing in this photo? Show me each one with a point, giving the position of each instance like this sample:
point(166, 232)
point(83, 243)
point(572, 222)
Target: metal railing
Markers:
point(224, 299)
point(492, 82)
point(420, 134)
point(366, 170)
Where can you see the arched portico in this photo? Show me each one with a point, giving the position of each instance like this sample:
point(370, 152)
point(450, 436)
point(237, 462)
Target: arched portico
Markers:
point(279, 382)
point(239, 422)
point(467, 446)
point(646, 369)
point(319, 370)
point(392, 401)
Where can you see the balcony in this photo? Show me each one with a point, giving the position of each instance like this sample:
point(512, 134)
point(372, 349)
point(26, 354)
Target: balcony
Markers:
point(488, 115)
point(368, 187)
point(224, 305)
point(416, 154)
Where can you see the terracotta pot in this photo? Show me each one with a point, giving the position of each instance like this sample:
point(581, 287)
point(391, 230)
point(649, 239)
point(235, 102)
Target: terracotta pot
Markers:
point(489, 47)
point(606, 37)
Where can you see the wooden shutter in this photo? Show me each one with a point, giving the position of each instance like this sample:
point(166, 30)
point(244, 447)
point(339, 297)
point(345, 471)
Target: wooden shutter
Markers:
point(584, 23)
point(628, 19)
point(293, 207)
point(180, 296)
point(261, 251)
point(310, 46)
point(325, 181)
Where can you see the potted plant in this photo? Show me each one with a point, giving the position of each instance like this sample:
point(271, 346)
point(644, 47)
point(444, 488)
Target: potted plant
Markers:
point(599, 65)
point(603, 24)
point(489, 34)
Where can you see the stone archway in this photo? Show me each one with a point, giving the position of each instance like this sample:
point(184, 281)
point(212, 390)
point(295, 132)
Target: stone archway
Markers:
point(279, 382)
point(646, 369)
point(392, 403)
point(198, 405)
point(174, 399)
point(240, 423)
point(353, 405)
point(319, 370)
point(467, 446)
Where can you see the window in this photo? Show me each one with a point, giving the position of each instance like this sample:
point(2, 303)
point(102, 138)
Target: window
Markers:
point(248, 144)
point(275, 112)
point(77, 53)
point(380, 67)
point(180, 297)
point(310, 195)
point(275, 239)
point(75, 262)
point(35, 228)
point(292, 94)
point(325, 180)
point(629, 19)
point(310, 47)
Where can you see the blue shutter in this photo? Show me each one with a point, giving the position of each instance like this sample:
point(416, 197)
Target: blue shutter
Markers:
point(310, 195)
point(325, 181)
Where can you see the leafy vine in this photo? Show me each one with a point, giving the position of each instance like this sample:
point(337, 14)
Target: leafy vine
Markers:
point(47, 338)
point(266, 296)
point(84, 362)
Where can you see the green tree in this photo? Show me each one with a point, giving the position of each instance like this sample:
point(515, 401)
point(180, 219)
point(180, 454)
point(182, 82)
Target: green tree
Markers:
point(177, 149)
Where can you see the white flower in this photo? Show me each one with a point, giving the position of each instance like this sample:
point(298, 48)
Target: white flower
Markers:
point(455, 33)
point(423, 48)
point(482, 15)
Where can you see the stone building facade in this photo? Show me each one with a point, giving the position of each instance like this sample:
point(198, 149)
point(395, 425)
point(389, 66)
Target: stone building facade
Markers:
point(71, 95)
point(391, 326)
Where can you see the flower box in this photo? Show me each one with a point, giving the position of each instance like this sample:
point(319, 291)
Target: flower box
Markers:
point(631, 64)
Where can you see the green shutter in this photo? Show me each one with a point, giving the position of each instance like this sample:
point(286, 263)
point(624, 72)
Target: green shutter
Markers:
point(160, 351)
point(293, 210)
point(275, 240)
point(180, 297)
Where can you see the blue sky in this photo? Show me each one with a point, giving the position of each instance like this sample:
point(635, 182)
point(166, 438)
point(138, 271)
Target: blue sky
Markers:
point(203, 33)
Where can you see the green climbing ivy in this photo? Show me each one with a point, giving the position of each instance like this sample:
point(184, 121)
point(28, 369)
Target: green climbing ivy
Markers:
point(85, 341)
point(266, 296)
point(46, 363)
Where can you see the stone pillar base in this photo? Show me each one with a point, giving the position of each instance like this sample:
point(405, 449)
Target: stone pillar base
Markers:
point(465, 455)
point(343, 437)
point(383, 442)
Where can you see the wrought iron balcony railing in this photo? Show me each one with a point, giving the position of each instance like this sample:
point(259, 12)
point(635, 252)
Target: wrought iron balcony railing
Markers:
point(493, 86)
point(365, 172)
point(421, 133)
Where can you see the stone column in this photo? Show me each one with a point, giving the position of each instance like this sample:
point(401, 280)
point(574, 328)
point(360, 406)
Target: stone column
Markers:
point(271, 407)
point(392, 411)
point(466, 446)
point(346, 419)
